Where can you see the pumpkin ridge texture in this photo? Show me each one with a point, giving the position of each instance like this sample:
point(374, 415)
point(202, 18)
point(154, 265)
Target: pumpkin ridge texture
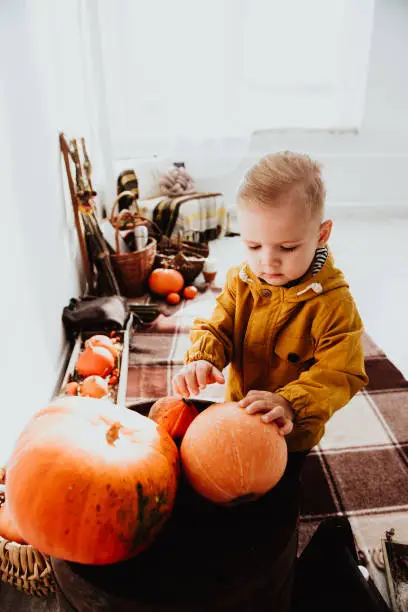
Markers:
point(229, 456)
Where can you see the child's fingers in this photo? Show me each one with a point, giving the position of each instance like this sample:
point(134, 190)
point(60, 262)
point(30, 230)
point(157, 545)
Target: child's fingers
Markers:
point(253, 396)
point(258, 406)
point(272, 415)
point(179, 385)
point(256, 393)
point(175, 386)
point(202, 373)
point(216, 375)
point(191, 380)
point(286, 428)
point(245, 402)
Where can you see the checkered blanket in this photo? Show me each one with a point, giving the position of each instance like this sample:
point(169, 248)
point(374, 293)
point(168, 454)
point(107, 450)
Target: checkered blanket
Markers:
point(360, 467)
point(205, 213)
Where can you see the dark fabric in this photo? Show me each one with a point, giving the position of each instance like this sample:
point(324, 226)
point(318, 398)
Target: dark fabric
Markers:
point(95, 313)
point(327, 576)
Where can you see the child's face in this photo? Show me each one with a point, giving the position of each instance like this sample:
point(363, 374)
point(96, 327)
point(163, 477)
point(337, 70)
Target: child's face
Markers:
point(281, 241)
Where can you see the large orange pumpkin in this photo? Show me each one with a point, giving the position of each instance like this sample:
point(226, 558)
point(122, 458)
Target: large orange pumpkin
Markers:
point(230, 456)
point(91, 482)
point(164, 281)
point(95, 360)
point(175, 414)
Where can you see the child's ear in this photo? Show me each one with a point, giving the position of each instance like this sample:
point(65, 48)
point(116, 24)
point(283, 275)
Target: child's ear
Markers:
point(324, 233)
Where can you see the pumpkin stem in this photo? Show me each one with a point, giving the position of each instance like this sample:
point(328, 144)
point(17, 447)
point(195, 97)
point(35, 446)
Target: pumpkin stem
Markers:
point(113, 432)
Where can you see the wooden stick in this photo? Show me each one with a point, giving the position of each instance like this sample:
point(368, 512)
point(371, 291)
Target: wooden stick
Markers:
point(87, 164)
point(82, 244)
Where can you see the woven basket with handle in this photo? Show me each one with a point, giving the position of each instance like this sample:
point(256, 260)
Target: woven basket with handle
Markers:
point(188, 265)
point(186, 256)
point(131, 269)
point(23, 566)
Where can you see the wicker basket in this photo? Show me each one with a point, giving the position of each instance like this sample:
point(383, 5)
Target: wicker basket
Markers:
point(24, 567)
point(186, 256)
point(131, 269)
point(188, 265)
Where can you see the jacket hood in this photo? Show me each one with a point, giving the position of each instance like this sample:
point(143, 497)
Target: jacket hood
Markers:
point(326, 280)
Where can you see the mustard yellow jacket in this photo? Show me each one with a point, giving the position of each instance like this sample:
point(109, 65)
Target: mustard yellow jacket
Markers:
point(303, 343)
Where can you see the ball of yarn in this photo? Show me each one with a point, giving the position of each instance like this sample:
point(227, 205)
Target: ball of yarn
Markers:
point(176, 181)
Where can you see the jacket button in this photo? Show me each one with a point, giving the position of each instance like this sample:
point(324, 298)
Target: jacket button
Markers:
point(266, 293)
point(293, 358)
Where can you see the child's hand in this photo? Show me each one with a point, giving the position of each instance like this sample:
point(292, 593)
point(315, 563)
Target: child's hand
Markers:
point(195, 376)
point(275, 408)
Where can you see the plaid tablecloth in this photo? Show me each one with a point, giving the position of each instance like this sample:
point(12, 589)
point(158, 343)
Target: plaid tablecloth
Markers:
point(360, 468)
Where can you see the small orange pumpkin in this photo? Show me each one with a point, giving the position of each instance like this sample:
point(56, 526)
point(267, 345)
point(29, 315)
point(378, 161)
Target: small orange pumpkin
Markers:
point(95, 360)
point(94, 386)
point(105, 341)
point(173, 298)
point(175, 414)
point(163, 281)
point(71, 388)
point(190, 292)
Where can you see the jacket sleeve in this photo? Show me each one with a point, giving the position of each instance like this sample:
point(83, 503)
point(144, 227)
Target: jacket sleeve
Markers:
point(338, 372)
point(212, 338)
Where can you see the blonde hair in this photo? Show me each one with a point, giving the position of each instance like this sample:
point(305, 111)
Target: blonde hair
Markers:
point(284, 173)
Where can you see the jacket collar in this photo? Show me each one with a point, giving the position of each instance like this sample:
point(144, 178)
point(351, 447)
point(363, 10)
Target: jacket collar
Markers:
point(327, 279)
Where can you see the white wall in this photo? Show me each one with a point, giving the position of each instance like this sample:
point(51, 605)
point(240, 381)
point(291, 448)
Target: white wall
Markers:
point(41, 93)
point(230, 67)
point(354, 119)
point(367, 166)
